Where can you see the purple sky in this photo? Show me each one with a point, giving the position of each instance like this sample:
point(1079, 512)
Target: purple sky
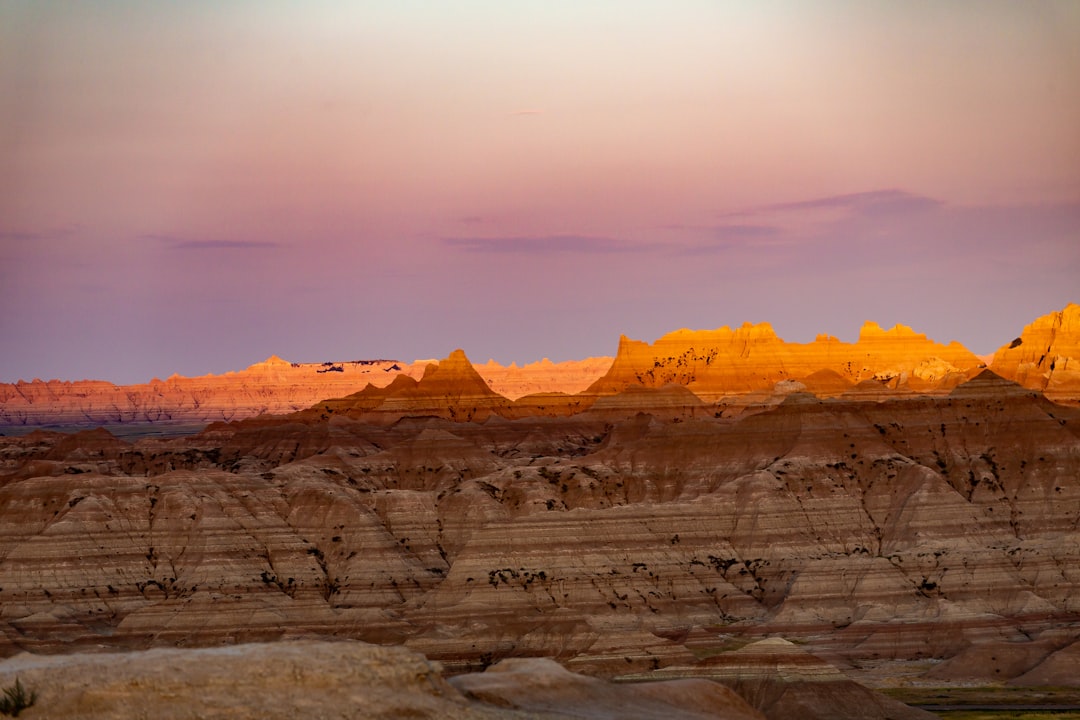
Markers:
point(192, 187)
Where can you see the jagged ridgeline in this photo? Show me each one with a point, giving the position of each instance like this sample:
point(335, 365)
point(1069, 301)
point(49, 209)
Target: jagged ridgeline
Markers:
point(714, 364)
point(872, 505)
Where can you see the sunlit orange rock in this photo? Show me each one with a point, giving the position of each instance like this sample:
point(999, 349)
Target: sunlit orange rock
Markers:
point(274, 386)
point(1046, 356)
point(450, 389)
point(752, 358)
point(915, 527)
point(570, 377)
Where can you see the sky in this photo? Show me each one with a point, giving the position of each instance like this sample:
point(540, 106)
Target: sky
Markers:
point(192, 187)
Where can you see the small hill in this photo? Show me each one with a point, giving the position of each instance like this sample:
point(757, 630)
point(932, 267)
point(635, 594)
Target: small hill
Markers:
point(783, 681)
point(450, 389)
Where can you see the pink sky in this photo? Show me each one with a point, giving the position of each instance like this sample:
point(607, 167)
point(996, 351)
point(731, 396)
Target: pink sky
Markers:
point(191, 187)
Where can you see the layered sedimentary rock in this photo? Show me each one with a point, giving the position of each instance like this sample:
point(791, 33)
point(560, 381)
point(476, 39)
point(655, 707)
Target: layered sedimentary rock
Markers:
point(619, 531)
point(714, 363)
point(312, 679)
point(450, 389)
point(280, 681)
point(541, 685)
point(783, 681)
point(616, 540)
point(270, 387)
point(569, 377)
point(1046, 356)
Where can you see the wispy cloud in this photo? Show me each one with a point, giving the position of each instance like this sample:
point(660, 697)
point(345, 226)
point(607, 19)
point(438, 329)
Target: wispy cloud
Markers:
point(869, 202)
point(745, 232)
point(542, 244)
point(224, 245)
point(24, 235)
point(728, 237)
point(21, 235)
point(527, 111)
point(740, 239)
point(181, 243)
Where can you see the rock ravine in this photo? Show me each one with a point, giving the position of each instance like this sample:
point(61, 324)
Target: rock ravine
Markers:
point(633, 532)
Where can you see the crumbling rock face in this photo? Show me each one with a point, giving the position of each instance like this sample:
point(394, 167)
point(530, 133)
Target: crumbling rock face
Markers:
point(917, 527)
point(311, 679)
point(752, 358)
point(619, 532)
point(783, 681)
point(274, 386)
point(1046, 356)
point(287, 680)
point(542, 685)
point(745, 366)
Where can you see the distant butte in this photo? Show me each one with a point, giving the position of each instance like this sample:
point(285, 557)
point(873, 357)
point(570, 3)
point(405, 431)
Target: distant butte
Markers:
point(723, 365)
point(802, 523)
point(752, 358)
point(1046, 355)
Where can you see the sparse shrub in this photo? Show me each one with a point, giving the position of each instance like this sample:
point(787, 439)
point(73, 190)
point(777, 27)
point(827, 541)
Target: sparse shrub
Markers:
point(16, 699)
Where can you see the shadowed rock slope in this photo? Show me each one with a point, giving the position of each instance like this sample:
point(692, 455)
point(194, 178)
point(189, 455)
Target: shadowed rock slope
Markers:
point(307, 679)
point(750, 361)
point(615, 541)
point(270, 387)
point(783, 681)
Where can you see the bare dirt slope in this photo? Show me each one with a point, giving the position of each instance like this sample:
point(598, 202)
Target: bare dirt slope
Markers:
point(305, 679)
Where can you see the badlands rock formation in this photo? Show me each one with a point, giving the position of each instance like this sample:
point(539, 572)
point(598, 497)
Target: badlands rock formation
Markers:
point(621, 532)
point(783, 681)
point(541, 685)
point(570, 377)
point(1046, 356)
point(714, 363)
point(273, 386)
point(742, 365)
point(270, 387)
point(307, 679)
point(615, 541)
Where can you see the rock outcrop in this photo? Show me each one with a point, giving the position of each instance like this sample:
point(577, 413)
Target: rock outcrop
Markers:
point(541, 685)
point(569, 377)
point(916, 527)
point(451, 389)
point(622, 531)
point(752, 358)
point(1046, 356)
point(750, 362)
point(309, 679)
point(270, 387)
point(279, 681)
point(783, 681)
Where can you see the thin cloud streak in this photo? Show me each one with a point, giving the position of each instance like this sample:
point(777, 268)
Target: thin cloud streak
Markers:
point(179, 243)
point(59, 233)
point(736, 238)
point(535, 245)
point(20, 236)
point(745, 232)
point(892, 200)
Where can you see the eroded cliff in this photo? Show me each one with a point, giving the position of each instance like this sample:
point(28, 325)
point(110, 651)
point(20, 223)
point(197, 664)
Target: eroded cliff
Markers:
point(616, 541)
